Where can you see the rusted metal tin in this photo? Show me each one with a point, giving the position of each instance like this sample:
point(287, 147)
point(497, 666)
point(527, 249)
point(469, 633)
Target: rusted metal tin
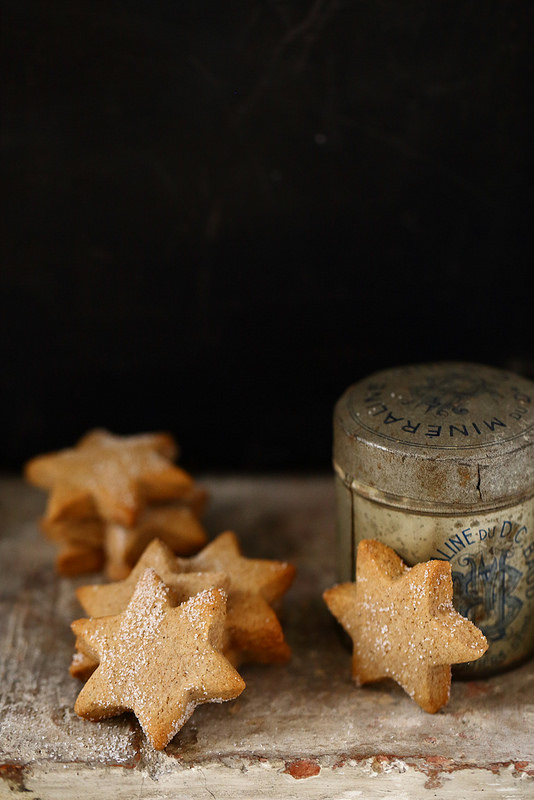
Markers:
point(437, 461)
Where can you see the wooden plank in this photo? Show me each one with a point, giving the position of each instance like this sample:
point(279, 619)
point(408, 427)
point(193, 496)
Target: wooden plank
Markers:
point(301, 730)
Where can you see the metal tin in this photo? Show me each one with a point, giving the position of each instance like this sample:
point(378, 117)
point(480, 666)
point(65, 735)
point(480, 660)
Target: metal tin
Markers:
point(437, 461)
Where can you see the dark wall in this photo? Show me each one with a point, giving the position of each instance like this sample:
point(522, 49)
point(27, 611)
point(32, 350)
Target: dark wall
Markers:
point(220, 214)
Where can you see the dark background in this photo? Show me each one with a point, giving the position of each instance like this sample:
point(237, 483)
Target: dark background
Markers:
point(220, 214)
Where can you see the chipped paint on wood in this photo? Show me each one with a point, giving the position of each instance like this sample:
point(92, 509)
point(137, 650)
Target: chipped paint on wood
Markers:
point(303, 768)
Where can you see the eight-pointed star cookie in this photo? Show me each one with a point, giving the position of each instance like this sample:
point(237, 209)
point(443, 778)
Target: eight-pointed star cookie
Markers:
point(109, 476)
point(253, 631)
point(403, 624)
point(157, 660)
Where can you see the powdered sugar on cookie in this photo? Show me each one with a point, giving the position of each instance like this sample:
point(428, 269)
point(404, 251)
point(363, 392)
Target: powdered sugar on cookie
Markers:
point(403, 624)
point(157, 660)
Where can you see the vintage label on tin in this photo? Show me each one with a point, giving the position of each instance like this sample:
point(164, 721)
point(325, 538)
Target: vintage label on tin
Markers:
point(492, 562)
point(452, 408)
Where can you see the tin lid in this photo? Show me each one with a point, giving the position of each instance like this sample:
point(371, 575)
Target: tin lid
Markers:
point(431, 436)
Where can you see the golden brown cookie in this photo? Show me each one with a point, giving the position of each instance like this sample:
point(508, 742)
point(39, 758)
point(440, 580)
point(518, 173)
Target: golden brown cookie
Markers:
point(99, 600)
point(74, 559)
point(195, 498)
point(84, 662)
point(174, 523)
point(253, 631)
point(80, 544)
point(403, 624)
point(112, 477)
point(87, 532)
point(163, 443)
point(116, 547)
point(157, 660)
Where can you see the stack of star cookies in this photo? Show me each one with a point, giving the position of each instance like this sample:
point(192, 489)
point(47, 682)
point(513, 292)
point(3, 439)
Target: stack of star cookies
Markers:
point(109, 496)
point(171, 628)
point(171, 634)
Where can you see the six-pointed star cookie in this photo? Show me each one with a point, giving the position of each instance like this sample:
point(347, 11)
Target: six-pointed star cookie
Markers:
point(109, 476)
point(253, 631)
point(157, 660)
point(99, 600)
point(81, 544)
point(173, 523)
point(403, 624)
point(90, 543)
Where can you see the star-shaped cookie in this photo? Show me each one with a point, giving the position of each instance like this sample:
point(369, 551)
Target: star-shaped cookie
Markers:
point(80, 544)
point(88, 544)
point(87, 532)
point(403, 624)
point(74, 559)
point(253, 631)
point(99, 600)
point(157, 660)
point(109, 476)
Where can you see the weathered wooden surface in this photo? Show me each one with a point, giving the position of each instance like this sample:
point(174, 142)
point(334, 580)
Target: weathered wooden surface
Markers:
point(301, 730)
